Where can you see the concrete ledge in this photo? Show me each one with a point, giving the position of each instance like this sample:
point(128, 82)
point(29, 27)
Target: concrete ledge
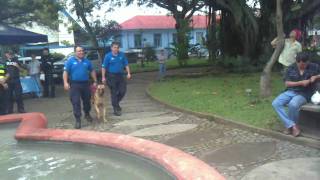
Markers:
point(181, 165)
point(311, 107)
point(297, 140)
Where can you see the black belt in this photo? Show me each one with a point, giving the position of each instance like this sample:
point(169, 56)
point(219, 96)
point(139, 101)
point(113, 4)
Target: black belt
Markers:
point(79, 82)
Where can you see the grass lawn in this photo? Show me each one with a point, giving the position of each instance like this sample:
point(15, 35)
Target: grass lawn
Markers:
point(172, 63)
point(224, 95)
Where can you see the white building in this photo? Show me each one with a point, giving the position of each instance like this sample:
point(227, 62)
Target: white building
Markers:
point(158, 31)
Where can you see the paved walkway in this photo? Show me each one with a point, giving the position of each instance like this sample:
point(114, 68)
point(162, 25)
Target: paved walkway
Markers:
point(234, 152)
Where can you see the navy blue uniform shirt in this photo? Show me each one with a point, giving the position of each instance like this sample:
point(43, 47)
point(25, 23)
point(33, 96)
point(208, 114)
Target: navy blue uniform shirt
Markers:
point(115, 64)
point(78, 70)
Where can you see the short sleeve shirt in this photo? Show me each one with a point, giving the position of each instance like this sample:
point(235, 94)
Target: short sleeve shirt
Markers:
point(161, 58)
point(34, 67)
point(289, 52)
point(78, 70)
point(294, 75)
point(115, 63)
point(12, 70)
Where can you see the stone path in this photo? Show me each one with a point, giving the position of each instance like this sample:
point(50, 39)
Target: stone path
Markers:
point(234, 152)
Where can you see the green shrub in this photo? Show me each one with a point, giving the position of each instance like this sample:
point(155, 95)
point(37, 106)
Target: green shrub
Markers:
point(57, 56)
point(149, 53)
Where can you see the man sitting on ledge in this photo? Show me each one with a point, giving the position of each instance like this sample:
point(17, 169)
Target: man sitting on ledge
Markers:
point(298, 80)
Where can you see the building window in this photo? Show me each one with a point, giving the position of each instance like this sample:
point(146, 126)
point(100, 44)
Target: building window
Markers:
point(157, 40)
point(199, 38)
point(174, 38)
point(137, 41)
point(118, 39)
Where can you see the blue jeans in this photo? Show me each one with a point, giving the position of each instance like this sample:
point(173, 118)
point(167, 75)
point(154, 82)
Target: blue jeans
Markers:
point(36, 77)
point(294, 101)
point(162, 70)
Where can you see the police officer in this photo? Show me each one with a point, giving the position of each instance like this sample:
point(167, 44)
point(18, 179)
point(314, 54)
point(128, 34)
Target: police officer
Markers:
point(3, 88)
point(77, 70)
point(14, 84)
point(47, 68)
point(113, 67)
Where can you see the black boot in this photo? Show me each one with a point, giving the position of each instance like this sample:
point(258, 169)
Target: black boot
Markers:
point(21, 111)
point(78, 123)
point(117, 112)
point(88, 117)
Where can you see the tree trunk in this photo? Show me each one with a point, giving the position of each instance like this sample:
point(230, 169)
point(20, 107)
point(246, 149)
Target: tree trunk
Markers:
point(182, 28)
point(80, 13)
point(211, 41)
point(265, 79)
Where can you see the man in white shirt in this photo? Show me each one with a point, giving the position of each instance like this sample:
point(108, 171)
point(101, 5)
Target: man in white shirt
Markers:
point(290, 50)
point(34, 72)
point(162, 64)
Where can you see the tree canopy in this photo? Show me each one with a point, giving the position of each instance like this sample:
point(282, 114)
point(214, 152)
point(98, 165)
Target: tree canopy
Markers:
point(44, 12)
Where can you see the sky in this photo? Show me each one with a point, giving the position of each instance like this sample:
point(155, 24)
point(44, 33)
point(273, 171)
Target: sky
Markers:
point(121, 14)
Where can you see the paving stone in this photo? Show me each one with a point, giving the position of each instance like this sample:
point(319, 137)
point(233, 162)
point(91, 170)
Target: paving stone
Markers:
point(290, 169)
point(148, 121)
point(244, 153)
point(194, 138)
point(135, 115)
point(232, 168)
point(137, 109)
point(163, 129)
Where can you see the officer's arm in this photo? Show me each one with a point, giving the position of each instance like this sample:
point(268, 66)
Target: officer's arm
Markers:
point(103, 74)
point(126, 64)
point(94, 76)
point(65, 77)
point(21, 67)
point(128, 69)
point(4, 80)
point(103, 68)
point(65, 80)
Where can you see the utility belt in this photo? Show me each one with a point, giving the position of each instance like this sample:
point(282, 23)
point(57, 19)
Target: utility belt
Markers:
point(115, 74)
point(79, 82)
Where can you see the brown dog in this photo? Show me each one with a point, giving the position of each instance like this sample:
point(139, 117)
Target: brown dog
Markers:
point(99, 101)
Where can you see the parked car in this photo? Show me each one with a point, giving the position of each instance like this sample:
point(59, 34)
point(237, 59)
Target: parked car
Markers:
point(198, 50)
point(91, 55)
point(26, 60)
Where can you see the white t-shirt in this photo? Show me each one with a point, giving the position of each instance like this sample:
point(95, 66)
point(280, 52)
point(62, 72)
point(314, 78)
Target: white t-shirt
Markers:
point(34, 67)
point(289, 52)
point(161, 58)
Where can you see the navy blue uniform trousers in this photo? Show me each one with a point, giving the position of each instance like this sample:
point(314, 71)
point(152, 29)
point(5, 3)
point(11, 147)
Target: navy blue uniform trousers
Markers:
point(80, 91)
point(15, 94)
point(49, 86)
point(118, 87)
point(3, 101)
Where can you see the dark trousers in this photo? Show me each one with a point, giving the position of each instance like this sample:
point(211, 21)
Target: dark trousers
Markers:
point(49, 86)
point(3, 101)
point(15, 94)
point(118, 88)
point(80, 91)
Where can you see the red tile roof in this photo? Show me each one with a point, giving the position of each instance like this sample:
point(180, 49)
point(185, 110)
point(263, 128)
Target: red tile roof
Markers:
point(160, 22)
